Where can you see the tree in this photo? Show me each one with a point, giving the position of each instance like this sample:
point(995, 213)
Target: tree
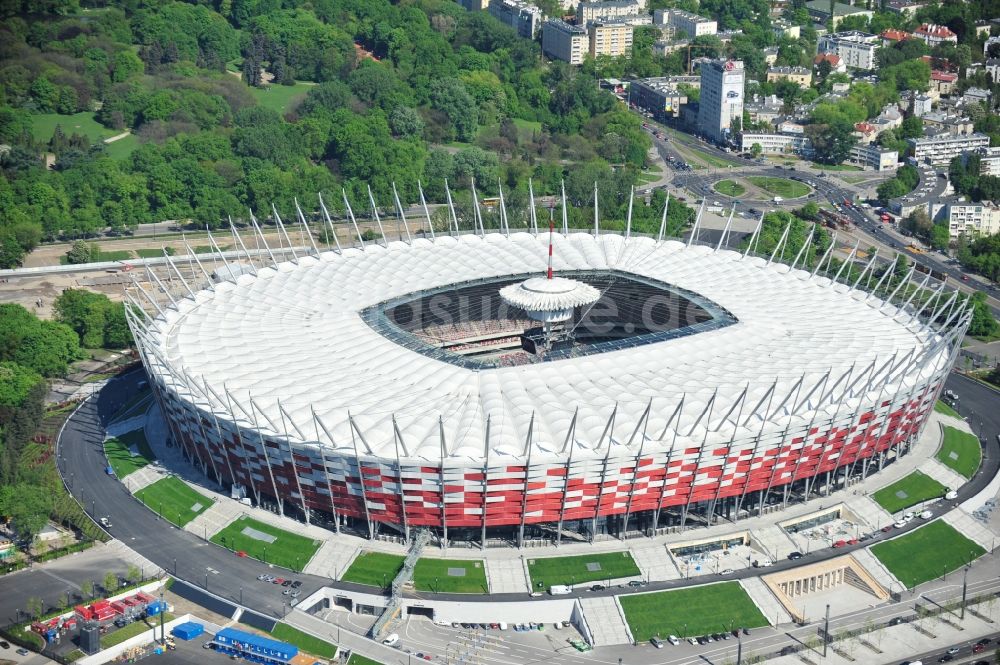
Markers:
point(832, 142)
point(451, 98)
point(406, 122)
point(99, 322)
point(63, 600)
point(756, 150)
point(33, 606)
point(134, 574)
point(27, 507)
point(983, 324)
point(110, 582)
point(81, 252)
point(87, 588)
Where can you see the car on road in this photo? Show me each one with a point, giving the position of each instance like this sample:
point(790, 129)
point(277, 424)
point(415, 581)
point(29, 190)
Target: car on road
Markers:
point(261, 578)
point(21, 652)
point(635, 584)
point(5, 644)
point(794, 555)
point(286, 583)
point(692, 641)
point(926, 515)
point(946, 658)
point(423, 656)
point(597, 587)
point(391, 640)
point(278, 580)
point(296, 584)
point(953, 650)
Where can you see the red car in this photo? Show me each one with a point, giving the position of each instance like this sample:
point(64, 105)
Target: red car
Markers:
point(887, 529)
point(278, 580)
point(840, 543)
point(241, 554)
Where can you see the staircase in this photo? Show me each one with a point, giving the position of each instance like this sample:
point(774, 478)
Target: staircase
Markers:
point(405, 574)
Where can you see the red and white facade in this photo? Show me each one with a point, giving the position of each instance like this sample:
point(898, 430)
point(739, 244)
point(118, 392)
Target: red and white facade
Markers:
point(270, 381)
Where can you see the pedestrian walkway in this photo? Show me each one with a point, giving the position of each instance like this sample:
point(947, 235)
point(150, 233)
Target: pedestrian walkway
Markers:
point(971, 528)
point(875, 568)
point(147, 568)
point(144, 477)
point(331, 560)
point(774, 541)
point(606, 620)
point(655, 564)
point(942, 474)
point(765, 601)
point(869, 512)
point(506, 576)
point(216, 518)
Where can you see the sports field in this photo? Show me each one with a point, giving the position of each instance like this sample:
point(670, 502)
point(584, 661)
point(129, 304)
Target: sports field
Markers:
point(174, 500)
point(374, 568)
point(783, 187)
point(909, 491)
point(450, 576)
point(729, 188)
point(573, 570)
point(960, 451)
point(926, 553)
point(267, 543)
point(712, 608)
point(120, 457)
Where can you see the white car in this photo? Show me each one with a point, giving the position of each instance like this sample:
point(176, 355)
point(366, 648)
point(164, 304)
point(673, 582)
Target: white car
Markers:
point(392, 640)
point(926, 515)
point(692, 640)
point(673, 640)
point(952, 494)
point(900, 524)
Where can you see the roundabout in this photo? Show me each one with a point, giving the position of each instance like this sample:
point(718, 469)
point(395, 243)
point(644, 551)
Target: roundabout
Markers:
point(783, 187)
point(729, 188)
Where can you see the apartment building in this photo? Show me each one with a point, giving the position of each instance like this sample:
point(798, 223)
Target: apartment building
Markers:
point(612, 38)
point(722, 87)
point(819, 10)
point(475, 5)
point(875, 157)
point(942, 149)
point(989, 161)
point(589, 12)
point(973, 219)
point(856, 49)
point(801, 76)
point(524, 18)
point(935, 35)
point(691, 24)
point(565, 42)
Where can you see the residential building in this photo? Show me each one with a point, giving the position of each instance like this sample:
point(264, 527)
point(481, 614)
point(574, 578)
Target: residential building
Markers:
point(771, 55)
point(976, 96)
point(856, 49)
point(992, 67)
point(668, 47)
point(921, 104)
point(801, 76)
point(875, 157)
point(789, 127)
point(588, 12)
point(658, 96)
point(989, 161)
point(775, 143)
point(767, 109)
point(973, 219)
point(904, 7)
point(691, 24)
point(942, 149)
point(565, 42)
point(524, 18)
point(983, 28)
point(722, 84)
point(890, 36)
point(866, 132)
point(935, 35)
point(783, 28)
point(819, 10)
point(474, 5)
point(943, 82)
point(990, 41)
point(837, 63)
point(612, 38)
point(947, 123)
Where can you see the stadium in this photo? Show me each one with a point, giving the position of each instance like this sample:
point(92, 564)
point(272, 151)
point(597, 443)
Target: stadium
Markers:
point(662, 383)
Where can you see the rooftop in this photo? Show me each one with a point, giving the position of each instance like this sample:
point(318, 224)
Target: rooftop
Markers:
point(940, 31)
point(839, 9)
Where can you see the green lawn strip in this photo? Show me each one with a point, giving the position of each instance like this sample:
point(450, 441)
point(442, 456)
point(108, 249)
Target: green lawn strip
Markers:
point(712, 160)
point(121, 459)
point(43, 125)
point(432, 575)
point(548, 571)
point(789, 189)
point(131, 630)
point(208, 249)
point(110, 255)
point(941, 407)
point(729, 188)
point(280, 98)
point(288, 550)
point(123, 147)
point(304, 641)
point(835, 167)
point(174, 500)
point(154, 252)
point(374, 568)
point(358, 659)
point(917, 488)
point(711, 608)
point(926, 553)
point(960, 451)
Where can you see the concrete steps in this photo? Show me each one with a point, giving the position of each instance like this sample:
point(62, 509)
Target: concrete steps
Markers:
point(331, 560)
point(775, 541)
point(942, 474)
point(124, 552)
point(971, 528)
point(874, 567)
point(765, 601)
point(506, 576)
point(144, 477)
point(216, 518)
point(655, 563)
point(869, 512)
point(606, 621)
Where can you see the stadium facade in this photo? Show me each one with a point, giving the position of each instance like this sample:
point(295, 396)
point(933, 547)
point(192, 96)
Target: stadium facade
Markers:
point(385, 387)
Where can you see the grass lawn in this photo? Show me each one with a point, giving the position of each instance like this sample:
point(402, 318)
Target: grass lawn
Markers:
point(122, 148)
point(131, 630)
point(280, 98)
point(374, 568)
point(710, 159)
point(712, 608)
point(174, 500)
point(835, 167)
point(43, 125)
point(575, 569)
point(208, 249)
point(119, 457)
point(154, 252)
point(432, 575)
point(729, 188)
point(960, 452)
point(288, 550)
point(909, 491)
point(941, 407)
point(111, 255)
point(783, 187)
point(311, 645)
point(926, 553)
point(358, 659)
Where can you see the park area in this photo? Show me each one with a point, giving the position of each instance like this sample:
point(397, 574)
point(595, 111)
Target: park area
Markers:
point(783, 187)
point(128, 452)
point(173, 500)
point(926, 553)
point(437, 575)
point(729, 188)
point(960, 452)
point(712, 608)
point(909, 491)
point(572, 570)
point(267, 543)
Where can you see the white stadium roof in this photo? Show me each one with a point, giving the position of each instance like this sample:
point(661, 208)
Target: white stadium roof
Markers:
point(293, 334)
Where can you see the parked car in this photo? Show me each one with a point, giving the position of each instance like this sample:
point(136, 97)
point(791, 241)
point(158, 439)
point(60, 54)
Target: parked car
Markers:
point(657, 642)
point(794, 555)
point(673, 640)
point(391, 640)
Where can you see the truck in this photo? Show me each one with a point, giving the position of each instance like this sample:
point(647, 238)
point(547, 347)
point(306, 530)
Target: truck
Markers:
point(560, 590)
point(778, 199)
point(715, 209)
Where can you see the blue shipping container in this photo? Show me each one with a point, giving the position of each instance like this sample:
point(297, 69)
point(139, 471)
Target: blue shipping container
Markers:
point(188, 630)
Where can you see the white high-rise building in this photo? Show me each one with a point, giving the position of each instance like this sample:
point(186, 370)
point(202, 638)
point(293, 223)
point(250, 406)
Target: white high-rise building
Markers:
point(721, 98)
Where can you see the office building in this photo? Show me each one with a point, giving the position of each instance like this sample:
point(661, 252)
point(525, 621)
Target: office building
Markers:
point(775, 143)
point(565, 42)
point(973, 219)
point(721, 102)
point(524, 18)
point(856, 49)
point(942, 149)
